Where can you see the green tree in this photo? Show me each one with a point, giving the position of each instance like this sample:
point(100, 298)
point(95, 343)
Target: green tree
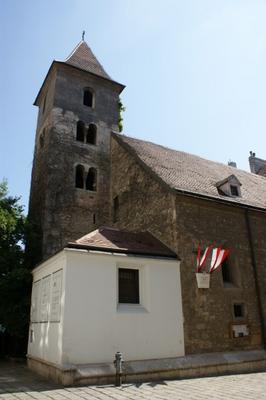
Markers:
point(121, 109)
point(15, 277)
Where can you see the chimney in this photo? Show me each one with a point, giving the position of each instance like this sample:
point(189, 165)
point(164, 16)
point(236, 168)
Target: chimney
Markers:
point(232, 164)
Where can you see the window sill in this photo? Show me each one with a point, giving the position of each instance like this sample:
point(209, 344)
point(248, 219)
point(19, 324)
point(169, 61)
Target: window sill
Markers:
point(228, 285)
point(131, 308)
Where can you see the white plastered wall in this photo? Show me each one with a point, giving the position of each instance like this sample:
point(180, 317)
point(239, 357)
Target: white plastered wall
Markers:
point(47, 309)
point(96, 326)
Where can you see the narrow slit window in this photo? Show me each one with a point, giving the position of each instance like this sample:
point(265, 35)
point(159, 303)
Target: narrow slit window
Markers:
point(79, 177)
point(80, 131)
point(91, 134)
point(88, 98)
point(44, 105)
point(115, 209)
point(128, 286)
point(91, 181)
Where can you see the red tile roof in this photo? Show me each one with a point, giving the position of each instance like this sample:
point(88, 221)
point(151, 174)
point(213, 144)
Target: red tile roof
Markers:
point(120, 241)
point(194, 175)
point(82, 57)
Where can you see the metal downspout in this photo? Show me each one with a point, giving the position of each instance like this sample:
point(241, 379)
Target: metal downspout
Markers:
point(254, 265)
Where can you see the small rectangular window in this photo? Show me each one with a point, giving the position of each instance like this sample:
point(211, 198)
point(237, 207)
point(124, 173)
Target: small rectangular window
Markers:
point(128, 286)
point(238, 310)
point(227, 278)
point(234, 190)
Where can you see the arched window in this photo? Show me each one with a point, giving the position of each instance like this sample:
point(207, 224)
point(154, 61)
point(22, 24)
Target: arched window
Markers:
point(91, 181)
point(88, 97)
point(80, 131)
point(79, 179)
point(91, 134)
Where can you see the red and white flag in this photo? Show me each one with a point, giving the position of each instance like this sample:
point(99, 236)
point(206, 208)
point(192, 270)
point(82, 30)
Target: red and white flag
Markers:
point(201, 261)
point(218, 257)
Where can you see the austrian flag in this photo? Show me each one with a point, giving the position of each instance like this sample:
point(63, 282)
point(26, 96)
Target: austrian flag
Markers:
point(218, 257)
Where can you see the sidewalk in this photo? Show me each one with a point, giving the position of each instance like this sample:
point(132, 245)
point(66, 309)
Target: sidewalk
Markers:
point(18, 383)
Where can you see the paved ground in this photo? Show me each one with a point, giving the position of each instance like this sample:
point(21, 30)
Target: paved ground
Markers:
point(18, 383)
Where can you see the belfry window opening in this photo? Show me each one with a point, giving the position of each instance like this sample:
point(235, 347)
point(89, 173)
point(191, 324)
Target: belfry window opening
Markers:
point(88, 97)
point(80, 131)
point(91, 134)
point(91, 180)
point(79, 178)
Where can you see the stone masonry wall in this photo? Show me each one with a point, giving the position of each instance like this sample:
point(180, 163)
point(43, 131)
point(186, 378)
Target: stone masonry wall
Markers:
point(61, 212)
point(182, 223)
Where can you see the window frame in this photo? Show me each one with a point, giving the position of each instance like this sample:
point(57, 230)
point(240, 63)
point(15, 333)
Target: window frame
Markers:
point(136, 283)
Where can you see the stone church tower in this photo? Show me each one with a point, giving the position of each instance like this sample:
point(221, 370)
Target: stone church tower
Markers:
point(70, 186)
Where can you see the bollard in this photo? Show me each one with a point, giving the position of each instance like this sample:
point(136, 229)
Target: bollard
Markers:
point(118, 367)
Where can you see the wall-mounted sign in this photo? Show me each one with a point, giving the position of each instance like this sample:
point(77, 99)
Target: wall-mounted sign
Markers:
point(45, 298)
point(56, 296)
point(35, 299)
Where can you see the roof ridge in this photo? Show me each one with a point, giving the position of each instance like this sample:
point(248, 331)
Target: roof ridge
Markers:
point(75, 48)
point(187, 153)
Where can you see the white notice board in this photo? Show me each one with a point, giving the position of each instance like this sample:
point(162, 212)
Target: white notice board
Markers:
point(56, 296)
point(45, 298)
point(35, 301)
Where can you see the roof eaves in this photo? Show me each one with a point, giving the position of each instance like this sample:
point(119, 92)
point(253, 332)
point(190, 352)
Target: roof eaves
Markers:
point(74, 245)
point(228, 202)
point(35, 103)
point(92, 73)
point(54, 63)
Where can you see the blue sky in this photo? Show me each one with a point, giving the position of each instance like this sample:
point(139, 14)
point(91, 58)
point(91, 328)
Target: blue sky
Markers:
point(194, 71)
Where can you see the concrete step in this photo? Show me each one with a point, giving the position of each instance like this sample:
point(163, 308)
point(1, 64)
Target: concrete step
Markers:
point(191, 366)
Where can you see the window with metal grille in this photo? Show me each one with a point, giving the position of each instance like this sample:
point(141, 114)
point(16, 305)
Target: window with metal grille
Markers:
point(128, 286)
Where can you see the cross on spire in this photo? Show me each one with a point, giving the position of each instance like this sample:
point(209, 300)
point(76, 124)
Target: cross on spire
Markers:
point(83, 34)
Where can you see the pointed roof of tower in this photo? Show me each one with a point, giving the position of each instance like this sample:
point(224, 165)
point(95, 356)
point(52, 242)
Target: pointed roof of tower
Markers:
point(82, 57)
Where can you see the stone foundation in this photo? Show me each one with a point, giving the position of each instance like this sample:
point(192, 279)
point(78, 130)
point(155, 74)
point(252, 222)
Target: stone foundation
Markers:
point(194, 366)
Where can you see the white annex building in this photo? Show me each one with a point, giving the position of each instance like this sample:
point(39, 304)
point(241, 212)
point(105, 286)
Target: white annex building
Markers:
point(109, 291)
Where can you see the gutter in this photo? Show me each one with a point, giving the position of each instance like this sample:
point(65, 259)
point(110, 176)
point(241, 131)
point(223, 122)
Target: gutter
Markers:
point(256, 277)
point(121, 251)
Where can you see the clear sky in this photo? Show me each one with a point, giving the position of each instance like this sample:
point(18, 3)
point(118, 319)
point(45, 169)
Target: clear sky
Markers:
point(195, 72)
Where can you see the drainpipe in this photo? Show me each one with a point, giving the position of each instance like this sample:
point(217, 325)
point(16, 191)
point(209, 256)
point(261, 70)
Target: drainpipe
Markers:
point(254, 265)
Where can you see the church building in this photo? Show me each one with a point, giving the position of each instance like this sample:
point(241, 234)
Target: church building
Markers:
point(122, 226)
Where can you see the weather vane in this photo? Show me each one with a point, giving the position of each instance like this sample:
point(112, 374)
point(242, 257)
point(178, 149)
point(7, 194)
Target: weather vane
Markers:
point(83, 34)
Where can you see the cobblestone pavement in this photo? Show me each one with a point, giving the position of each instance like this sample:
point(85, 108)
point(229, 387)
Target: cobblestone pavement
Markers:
point(18, 383)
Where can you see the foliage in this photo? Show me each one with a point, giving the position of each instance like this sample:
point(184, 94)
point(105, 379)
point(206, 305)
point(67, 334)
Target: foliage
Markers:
point(15, 278)
point(121, 109)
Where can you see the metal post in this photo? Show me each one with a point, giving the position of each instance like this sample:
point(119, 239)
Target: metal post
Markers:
point(118, 366)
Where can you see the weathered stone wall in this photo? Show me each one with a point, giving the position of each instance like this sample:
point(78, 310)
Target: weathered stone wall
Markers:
point(182, 223)
point(60, 211)
point(144, 203)
point(258, 237)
